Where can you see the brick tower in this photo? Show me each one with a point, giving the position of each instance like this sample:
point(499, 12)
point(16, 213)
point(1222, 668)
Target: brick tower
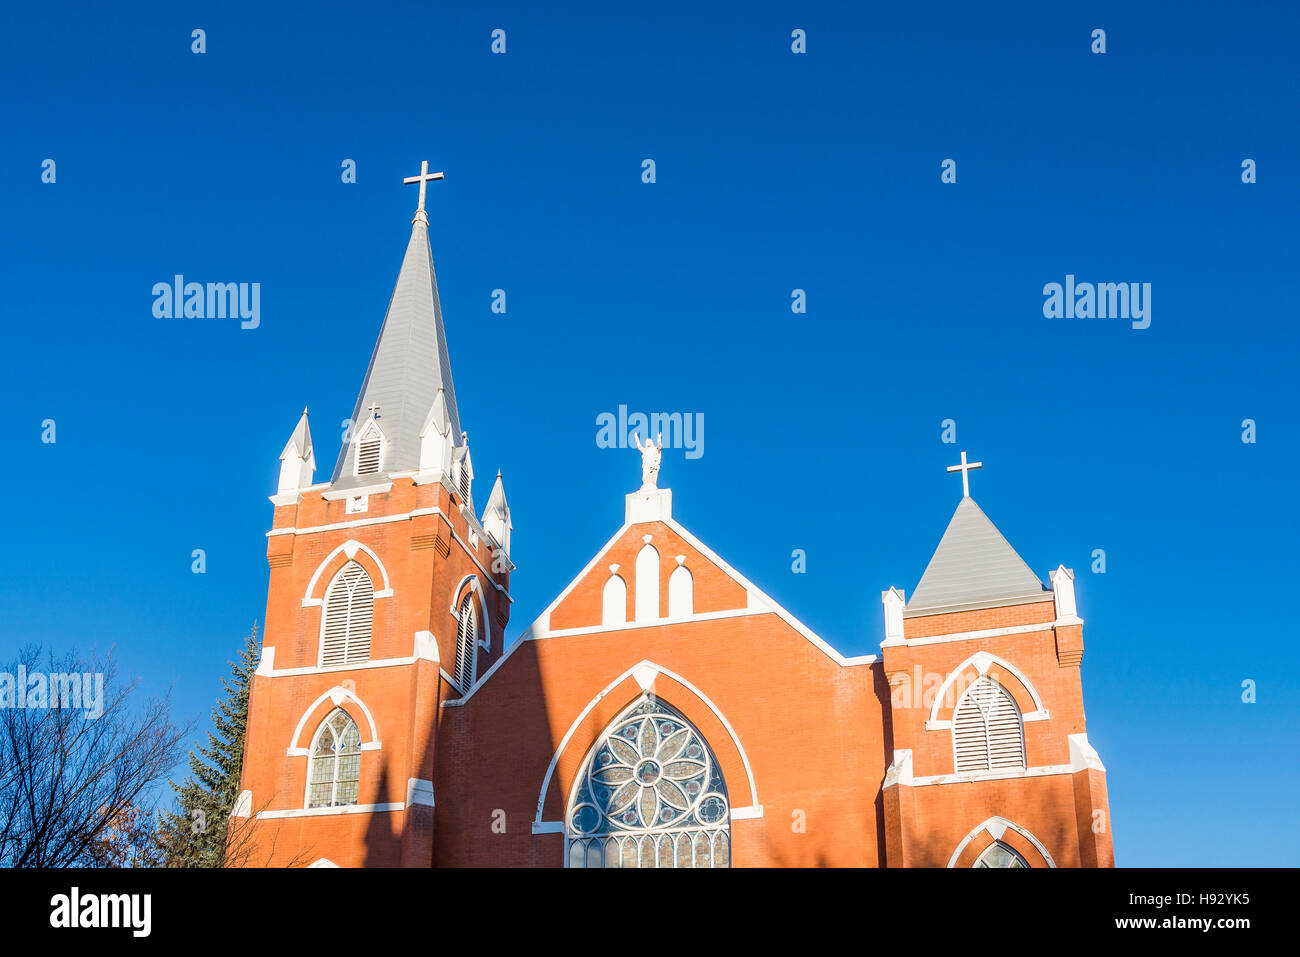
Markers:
point(388, 595)
point(991, 761)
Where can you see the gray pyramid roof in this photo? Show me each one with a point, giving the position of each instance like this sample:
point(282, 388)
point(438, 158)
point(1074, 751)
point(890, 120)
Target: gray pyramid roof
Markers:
point(973, 566)
point(408, 367)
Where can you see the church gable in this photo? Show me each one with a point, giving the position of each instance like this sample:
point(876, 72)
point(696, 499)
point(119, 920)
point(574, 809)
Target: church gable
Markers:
point(691, 582)
point(655, 573)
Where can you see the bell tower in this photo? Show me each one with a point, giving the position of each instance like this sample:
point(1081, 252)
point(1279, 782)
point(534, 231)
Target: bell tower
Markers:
point(991, 763)
point(388, 596)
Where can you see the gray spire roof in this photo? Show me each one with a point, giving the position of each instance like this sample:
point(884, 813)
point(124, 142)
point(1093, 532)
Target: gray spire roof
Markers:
point(973, 566)
point(408, 367)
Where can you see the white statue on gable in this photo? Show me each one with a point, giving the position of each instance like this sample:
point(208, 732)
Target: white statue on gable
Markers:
point(650, 456)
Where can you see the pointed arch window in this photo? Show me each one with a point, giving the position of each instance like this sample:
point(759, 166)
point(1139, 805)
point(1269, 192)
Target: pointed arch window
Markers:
point(650, 794)
point(681, 593)
point(613, 602)
point(987, 729)
point(466, 643)
point(998, 854)
point(335, 768)
point(349, 615)
point(370, 450)
point(647, 583)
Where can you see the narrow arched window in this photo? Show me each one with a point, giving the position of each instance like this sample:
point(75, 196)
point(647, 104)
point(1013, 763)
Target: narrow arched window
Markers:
point(681, 597)
point(370, 450)
point(613, 602)
point(987, 730)
point(335, 762)
point(998, 854)
point(349, 614)
point(647, 584)
point(466, 643)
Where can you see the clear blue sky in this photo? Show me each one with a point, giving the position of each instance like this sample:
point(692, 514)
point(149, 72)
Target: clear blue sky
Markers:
point(775, 172)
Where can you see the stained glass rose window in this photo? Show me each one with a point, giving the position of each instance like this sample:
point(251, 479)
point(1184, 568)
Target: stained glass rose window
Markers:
point(652, 775)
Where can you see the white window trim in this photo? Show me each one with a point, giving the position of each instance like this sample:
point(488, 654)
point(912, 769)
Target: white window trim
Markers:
point(981, 661)
point(306, 794)
point(325, 811)
point(645, 672)
point(350, 549)
point(337, 695)
point(476, 588)
point(997, 826)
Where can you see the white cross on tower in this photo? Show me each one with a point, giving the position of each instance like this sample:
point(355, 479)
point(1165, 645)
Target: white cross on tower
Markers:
point(423, 179)
point(373, 410)
point(964, 469)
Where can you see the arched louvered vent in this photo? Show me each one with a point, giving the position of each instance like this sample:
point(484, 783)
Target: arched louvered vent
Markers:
point(349, 614)
point(370, 450)
point(987, 731)
point(466, 643)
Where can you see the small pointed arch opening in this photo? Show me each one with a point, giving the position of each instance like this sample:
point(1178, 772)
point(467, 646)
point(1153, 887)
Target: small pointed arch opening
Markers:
point(466, 643)
point(613, 602)
point(349, 616)
point(681, 593)
point(335, 770)
point(647, 584)
point(987, 729)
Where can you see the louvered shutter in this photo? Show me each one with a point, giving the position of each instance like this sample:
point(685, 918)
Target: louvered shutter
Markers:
point(368, 451)
point(466, 637)
point(349, 614)
point(987, 731)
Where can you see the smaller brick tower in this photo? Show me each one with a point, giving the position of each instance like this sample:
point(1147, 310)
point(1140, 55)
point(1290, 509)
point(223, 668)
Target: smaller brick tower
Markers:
point(387, 596)
point(986, 710)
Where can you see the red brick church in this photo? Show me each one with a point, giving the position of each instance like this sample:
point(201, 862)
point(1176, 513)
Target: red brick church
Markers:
point(662, 710)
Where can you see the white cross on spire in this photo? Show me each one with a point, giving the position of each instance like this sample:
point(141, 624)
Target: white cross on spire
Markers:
point(423, 179)
point(964, 468)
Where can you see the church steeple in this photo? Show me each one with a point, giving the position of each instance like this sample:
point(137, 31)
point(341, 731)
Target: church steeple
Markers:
point(410, 365)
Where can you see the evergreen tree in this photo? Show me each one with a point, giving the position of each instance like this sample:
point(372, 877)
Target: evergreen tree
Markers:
point(197, 833)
